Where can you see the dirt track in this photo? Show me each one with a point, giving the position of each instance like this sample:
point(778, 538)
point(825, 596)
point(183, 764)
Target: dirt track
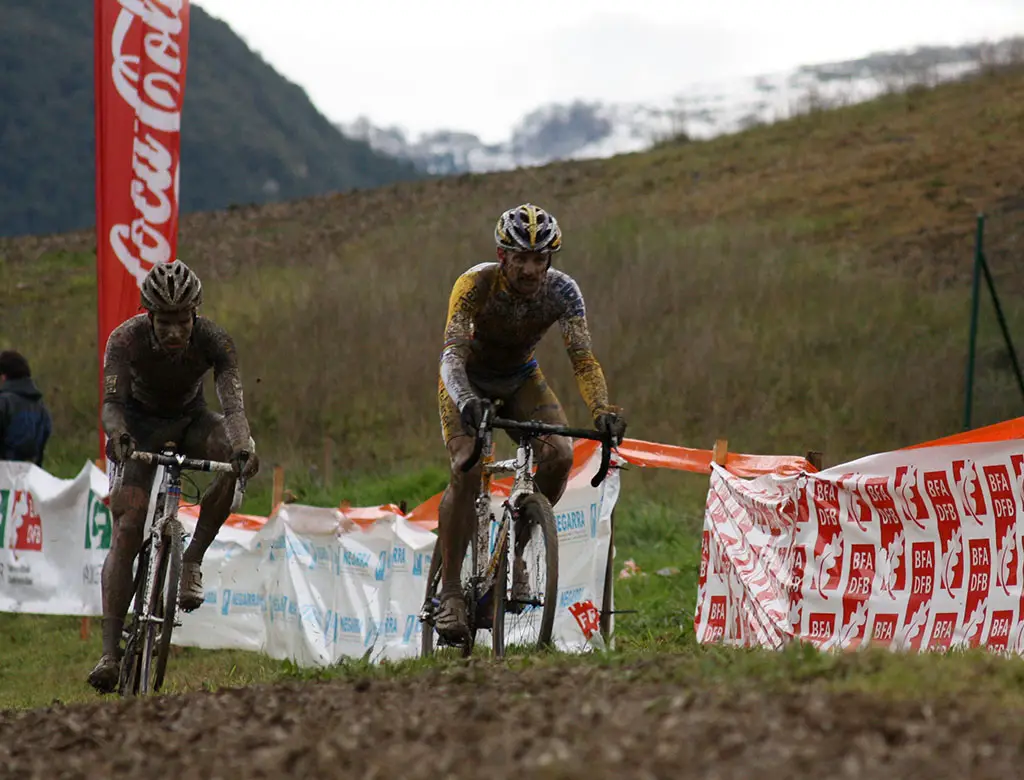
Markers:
point(475, 722)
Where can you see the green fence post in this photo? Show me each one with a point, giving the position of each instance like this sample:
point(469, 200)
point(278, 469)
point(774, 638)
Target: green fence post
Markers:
point(1002, 323)
point(969, 389)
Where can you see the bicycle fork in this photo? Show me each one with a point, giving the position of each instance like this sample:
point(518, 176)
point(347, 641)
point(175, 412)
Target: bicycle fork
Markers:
point(163, 522)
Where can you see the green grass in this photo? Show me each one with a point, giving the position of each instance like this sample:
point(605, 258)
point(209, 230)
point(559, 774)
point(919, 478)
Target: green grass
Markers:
point(658, 523)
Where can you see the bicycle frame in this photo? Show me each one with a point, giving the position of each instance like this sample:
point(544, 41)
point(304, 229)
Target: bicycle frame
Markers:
point(521, 466)
point(164, 526)
point(487, 561)
point(165, 516)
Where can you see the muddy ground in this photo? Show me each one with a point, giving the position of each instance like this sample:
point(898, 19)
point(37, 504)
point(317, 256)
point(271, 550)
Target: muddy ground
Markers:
point(481, 721)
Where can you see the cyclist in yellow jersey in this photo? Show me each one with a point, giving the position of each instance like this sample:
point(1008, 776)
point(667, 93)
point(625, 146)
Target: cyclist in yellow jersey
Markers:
point(497, 314)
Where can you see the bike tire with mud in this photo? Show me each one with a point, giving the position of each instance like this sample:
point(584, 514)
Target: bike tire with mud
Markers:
point(428, 645)
point(534, 511)
point(163, 604)
point(131, 665)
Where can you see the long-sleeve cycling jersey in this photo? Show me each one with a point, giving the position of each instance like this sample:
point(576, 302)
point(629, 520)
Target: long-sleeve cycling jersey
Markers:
point(140, 377)
point(492, 332)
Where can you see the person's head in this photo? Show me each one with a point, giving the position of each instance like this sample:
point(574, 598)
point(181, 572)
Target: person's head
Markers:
point(13, 366)
point(171, 293)
point(526, 236)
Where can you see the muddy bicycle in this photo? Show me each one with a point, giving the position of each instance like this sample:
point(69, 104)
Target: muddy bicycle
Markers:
point(147, 635)
point(504, 594)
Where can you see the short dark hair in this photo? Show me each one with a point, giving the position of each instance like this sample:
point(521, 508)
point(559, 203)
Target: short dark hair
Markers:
point(13, 365)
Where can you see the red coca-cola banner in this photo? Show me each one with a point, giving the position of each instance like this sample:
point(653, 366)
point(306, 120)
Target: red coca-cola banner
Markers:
point(141, 50)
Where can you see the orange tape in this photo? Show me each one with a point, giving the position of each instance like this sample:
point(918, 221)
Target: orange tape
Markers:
point(634, 451)
point(648, 455)
point(1002, 431)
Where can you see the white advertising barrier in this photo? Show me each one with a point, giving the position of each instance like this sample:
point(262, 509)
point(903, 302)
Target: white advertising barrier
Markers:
point(54, 535)
point(309, 584)
point(315, 586)
point(914, 550)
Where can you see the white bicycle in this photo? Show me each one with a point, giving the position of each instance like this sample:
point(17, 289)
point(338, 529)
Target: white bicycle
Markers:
point(505, 593)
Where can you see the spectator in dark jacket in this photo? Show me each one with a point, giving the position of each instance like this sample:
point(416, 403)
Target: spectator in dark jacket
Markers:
point(25, 423)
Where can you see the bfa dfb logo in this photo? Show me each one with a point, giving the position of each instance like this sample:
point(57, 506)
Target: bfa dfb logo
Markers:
point(908, 495)
point(1004, 509)
point(98, 523)
point(968, 482)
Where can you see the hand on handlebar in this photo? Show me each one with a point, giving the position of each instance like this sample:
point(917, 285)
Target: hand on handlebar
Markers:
point(120, 446)
point(246, 463)
point(472, 414)
point(612, 423)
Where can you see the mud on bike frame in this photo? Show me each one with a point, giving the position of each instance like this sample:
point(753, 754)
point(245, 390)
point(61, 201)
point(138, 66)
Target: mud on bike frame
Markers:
point(485, 587)
point(148, 637)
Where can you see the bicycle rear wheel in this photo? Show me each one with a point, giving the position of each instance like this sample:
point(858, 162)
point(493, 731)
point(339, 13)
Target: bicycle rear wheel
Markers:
point(163, 606)
point(517, 616)
point(430, 601)
point(430, 640)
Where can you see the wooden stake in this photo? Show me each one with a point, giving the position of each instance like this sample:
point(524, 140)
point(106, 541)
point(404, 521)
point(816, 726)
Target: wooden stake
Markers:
point(278, 493)
point(84, 630)
point(721, 450)
point(816, 459)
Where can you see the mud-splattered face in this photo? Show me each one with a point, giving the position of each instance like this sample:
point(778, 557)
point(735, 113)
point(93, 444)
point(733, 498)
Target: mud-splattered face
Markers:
point(525, 271)
point(173, 329)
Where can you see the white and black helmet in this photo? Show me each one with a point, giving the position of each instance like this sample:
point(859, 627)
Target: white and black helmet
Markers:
point(171, 287)
point(528, 228)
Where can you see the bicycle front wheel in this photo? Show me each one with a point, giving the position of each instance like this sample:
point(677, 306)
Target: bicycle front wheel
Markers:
point(131, 662)
point(163, 608)
point(526, 584)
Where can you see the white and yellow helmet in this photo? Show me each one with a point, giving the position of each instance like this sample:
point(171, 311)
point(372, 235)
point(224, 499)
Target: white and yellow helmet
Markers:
point(528, 228)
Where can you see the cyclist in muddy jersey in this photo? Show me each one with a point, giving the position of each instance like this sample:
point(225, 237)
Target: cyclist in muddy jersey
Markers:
point(153, 372)
point(497, 314)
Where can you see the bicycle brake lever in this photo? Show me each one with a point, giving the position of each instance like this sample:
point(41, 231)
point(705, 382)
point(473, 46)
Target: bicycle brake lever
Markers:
point(606, 458)
point(243, 458)
point(478, 443)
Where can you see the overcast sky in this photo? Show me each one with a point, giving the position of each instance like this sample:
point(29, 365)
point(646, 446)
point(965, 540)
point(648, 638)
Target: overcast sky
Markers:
point(479, 65)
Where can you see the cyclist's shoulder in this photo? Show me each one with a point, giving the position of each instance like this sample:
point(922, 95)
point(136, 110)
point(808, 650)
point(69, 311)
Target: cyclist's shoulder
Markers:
point(566, 291)
point(130, 333)
point(472, 285)
point(479, 273)
point(211, 336)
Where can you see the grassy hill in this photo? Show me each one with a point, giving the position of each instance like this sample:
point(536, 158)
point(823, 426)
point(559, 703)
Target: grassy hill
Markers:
point(248, 135)
point(796, 286)
point(802, 285)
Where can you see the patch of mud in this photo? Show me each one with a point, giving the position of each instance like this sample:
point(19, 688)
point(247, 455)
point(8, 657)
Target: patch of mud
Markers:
point(481, 721)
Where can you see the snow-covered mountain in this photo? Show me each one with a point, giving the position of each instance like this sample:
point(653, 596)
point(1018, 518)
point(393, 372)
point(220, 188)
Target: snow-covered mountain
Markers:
point(582, 130)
